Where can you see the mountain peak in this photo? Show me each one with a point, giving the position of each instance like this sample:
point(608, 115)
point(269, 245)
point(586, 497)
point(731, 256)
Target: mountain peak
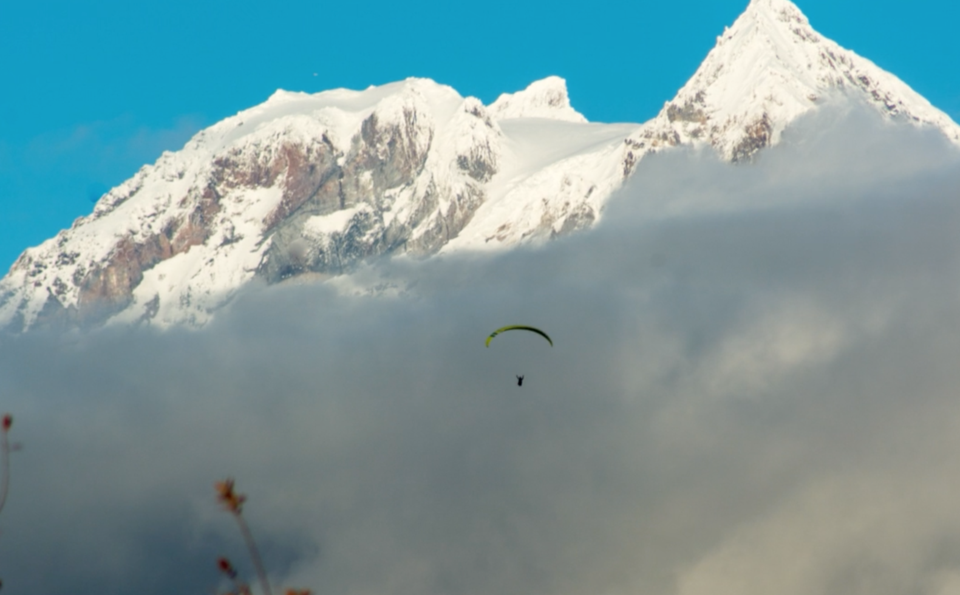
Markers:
point(546, 98)
point(780, 20)
point(772, 7)
point(776, 13)
point(768, 69)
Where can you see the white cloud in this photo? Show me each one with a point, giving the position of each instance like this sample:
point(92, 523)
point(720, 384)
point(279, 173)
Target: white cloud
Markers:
point(739, 400)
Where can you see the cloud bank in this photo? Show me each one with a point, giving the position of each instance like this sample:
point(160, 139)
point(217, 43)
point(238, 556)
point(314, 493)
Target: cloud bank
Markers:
point(752, 389)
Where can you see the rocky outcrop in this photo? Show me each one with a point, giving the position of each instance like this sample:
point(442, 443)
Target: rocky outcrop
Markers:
point(546, 98)
point(344, 221)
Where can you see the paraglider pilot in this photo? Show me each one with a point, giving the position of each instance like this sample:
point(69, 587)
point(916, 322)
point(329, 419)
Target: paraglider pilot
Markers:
point(519, 380)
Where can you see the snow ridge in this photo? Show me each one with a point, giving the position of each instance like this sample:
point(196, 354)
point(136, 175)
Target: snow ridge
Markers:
point(546, 98)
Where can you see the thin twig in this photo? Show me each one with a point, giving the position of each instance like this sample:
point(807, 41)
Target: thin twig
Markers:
point(254, 553)
point(4, 459)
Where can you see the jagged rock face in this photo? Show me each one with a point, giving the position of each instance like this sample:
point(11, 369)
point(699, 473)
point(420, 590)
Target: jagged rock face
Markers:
point(386, 167)
point(299, 185)
point(767, 70)
point(384, 155)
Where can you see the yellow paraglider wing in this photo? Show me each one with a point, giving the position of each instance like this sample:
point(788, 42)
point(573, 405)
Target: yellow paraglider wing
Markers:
point(519, 327)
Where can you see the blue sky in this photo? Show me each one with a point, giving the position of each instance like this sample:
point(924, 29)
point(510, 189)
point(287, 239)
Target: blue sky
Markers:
point(93, 90)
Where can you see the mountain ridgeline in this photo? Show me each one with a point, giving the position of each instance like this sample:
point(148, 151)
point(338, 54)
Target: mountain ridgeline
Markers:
point(309, 185)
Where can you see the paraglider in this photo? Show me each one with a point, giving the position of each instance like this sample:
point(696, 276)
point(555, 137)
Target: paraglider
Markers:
point(519, 327)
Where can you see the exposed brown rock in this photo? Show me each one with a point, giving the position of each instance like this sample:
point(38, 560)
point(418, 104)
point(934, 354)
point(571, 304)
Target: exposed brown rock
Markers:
point(196, 228)
point(757, 136)
point(691, 111)
point(388, 152)
point(109, 286)
point(308, 171)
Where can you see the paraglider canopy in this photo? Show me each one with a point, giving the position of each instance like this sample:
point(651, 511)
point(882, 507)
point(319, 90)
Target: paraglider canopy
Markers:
point(518, 327)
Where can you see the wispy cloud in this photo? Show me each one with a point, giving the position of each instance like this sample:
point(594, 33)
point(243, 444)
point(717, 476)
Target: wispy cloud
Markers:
point(101, 148)
point(88, 160)
point(753, 392)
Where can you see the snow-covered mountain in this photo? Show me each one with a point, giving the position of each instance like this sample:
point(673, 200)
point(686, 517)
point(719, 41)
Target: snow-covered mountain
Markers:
point(310, 185)
point(766, 70)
